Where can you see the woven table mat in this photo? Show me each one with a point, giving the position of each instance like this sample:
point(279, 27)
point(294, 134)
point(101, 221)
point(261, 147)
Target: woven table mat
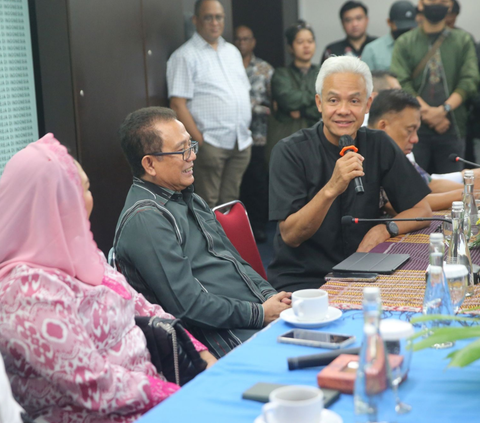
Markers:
point(402, 291)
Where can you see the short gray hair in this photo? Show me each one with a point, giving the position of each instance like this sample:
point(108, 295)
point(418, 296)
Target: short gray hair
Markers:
point(344, 64)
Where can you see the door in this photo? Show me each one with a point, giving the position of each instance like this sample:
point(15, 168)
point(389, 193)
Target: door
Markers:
point(108, 70)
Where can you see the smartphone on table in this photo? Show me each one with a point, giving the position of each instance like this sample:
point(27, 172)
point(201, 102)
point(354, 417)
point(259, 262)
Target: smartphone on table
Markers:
point(312, 338)
point(351, 277)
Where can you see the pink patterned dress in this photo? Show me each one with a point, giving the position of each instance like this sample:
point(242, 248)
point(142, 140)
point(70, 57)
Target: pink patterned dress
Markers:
point(73, 352)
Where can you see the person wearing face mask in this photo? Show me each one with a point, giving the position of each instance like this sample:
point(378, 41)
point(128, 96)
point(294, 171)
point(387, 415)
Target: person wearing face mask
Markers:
point(438, 66)
point(378, 54)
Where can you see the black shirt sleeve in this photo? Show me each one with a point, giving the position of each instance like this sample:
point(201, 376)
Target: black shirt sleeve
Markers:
point(288, 185)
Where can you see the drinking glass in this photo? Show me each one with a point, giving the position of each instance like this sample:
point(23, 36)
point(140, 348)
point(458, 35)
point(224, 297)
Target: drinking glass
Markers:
point(396, 335)
point(447, 230)
point(457, 279)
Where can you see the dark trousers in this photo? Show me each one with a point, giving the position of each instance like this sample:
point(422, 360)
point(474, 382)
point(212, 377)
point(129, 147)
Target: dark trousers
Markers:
point(432, 152)
point(254, 189)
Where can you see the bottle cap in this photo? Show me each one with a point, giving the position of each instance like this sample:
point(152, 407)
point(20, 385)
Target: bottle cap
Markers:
point(468, 173)
point(395, 330)
point(453, 271)
point(371, 293)
point(435, 270)
point(436, 237)
point(457, 206)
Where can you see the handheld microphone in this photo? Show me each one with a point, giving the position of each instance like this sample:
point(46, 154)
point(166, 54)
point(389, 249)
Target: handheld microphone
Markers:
point(347, 144)
point(454, 158)
point(314, 360)
point(349, 220)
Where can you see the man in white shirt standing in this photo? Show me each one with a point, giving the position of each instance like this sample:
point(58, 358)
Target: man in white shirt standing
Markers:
point(209, 90)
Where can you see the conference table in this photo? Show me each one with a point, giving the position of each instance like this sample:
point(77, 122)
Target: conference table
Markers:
point(435, 392)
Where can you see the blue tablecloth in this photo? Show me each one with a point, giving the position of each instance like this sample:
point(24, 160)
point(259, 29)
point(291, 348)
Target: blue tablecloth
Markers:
point(437, 394)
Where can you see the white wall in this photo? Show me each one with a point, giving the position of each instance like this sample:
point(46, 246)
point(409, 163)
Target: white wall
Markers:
point(323, 16)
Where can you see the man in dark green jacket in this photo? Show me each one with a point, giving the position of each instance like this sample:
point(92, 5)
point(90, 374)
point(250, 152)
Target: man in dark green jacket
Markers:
point(441, 85)
point(171, 248)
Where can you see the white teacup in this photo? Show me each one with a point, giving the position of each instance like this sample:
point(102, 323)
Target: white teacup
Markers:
point(310, 304)
point(294, 404)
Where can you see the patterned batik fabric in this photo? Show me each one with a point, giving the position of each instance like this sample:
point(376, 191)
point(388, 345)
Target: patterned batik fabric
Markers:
point(73, 352)
point(259, 74)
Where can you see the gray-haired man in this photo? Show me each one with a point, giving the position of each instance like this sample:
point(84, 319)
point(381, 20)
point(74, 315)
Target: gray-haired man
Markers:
point(311, 189)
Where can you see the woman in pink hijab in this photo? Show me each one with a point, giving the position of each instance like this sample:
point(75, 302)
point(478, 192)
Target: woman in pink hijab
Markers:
point(67, 331)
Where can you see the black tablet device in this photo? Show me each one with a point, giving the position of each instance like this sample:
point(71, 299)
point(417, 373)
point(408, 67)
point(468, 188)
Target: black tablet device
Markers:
point(372, 263)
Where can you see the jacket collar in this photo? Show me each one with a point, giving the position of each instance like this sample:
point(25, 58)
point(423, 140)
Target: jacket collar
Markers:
point(161, 194)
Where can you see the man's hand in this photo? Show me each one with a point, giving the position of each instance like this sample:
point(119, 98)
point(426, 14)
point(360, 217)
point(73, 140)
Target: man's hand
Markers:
point(442, 127)
point(433, 116)
point(274, 306)
point(179, 105)
point(373, 237)
point(295, 114)
point(347, 168)
point(208, 357)
point(260, 109)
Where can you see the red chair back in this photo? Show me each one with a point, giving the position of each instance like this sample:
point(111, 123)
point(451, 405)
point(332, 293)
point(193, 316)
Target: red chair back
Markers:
point(237, 227)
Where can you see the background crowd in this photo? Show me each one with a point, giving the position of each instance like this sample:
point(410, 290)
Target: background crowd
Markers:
point(282, 100)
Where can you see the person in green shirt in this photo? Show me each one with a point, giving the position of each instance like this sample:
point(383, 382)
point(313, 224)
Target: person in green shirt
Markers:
point(442, 85)
point(171, 248)
point(293, 87)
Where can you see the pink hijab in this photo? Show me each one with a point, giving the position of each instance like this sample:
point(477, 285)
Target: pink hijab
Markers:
point(43, 220)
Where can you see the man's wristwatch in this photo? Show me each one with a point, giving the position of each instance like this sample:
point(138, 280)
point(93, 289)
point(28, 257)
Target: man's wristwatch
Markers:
point(447, 108)
point(392, 228)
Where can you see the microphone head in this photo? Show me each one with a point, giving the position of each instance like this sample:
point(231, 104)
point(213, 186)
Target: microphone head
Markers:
point(453, 157)
point(347, 220)
point(345, 141)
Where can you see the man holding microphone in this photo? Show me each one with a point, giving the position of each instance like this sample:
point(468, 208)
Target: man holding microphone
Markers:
point(311, 184)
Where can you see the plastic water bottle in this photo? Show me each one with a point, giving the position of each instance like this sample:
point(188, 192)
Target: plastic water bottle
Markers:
point(458, 251)
point(469, 205)
point(437, 293)
point(374, 396)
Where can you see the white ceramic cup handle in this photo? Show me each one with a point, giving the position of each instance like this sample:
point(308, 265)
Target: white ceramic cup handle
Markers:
point(267, 410)
point(297, 308)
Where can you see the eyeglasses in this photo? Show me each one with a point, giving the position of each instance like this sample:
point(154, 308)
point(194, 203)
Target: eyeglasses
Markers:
point(185, 153)
point(210, 18)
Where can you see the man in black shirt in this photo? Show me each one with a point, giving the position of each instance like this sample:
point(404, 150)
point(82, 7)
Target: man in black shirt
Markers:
point(354, 17)
point(311, 189)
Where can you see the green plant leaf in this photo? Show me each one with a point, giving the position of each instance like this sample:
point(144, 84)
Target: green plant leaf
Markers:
point(441, 335)
point(418, 334)
point(466, 355)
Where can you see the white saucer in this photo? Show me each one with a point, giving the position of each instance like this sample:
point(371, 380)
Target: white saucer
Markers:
point(332, 315)
point(327, 417)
